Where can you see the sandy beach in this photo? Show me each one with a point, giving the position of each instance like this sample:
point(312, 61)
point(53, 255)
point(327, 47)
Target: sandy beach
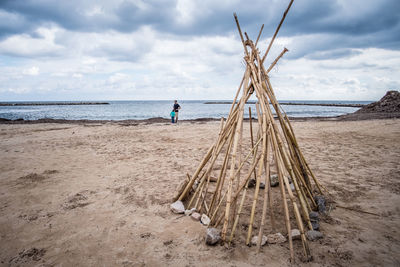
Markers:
point(98, 194)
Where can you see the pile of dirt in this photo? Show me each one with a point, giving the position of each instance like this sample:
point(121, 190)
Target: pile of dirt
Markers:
point(390, 103)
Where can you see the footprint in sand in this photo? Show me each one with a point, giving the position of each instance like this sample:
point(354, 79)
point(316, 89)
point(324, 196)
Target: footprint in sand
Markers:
point(78, 200)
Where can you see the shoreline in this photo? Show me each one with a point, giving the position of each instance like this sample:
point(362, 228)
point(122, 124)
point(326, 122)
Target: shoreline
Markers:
point(53, 104)
point(346, 117)
point(294, 104)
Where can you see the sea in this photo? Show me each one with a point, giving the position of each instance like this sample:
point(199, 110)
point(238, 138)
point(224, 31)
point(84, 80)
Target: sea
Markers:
point(139, 110)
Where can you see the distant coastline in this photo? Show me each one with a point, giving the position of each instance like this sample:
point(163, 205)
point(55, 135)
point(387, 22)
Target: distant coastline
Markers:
point(53, 103)
point(297, 104)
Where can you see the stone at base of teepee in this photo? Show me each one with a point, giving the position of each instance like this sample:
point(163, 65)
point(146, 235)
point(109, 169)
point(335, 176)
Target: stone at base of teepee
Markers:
point(213, 236)
point(254, 240)
point(274, 180)
point(315, 225)
point(321, 202)
point(277, 238)
point(177, 207)
point(189, 212)
point(313, 235)
point(295, 234)
point(314, 219)
point(205, 220)
point(196, 216)
point(252, 183)
point(262, 185)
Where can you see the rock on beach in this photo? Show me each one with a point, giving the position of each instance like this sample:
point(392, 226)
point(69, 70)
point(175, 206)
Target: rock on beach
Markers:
point(213, 236)
point(313, 235)
point(254, 240)
point(277, 238)
point(205, 220)
point(177, 207)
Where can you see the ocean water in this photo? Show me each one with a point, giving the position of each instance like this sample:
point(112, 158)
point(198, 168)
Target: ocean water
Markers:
point(138, 110)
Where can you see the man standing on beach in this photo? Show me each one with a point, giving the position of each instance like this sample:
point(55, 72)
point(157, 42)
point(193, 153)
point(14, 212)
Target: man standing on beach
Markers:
point(176, 108)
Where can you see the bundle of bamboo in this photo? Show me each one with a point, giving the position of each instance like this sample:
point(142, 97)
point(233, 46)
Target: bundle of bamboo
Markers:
point(274, 150)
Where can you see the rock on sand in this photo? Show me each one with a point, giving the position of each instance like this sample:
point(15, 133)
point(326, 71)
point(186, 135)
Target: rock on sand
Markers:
point(205, 220)
point(254, 240)
point(276, 238)
point(295, 234)
point(177, 207)
point(196, 216)
point(313, 235)
point(213, 236)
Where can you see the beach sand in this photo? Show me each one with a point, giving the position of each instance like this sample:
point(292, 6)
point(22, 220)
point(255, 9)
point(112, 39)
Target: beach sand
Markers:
point(98, 194)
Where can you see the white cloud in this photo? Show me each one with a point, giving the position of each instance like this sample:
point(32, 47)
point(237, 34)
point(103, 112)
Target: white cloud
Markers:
point(34, 71)
point(26, 46)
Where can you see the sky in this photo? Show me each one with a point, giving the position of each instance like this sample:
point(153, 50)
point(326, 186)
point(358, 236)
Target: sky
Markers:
point(191, 49)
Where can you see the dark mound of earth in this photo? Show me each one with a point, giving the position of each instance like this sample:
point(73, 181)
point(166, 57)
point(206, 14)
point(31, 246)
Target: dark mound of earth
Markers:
point(389, 103)
point(386, 108)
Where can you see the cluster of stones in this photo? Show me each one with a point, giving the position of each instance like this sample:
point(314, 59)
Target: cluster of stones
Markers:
point(213, 235)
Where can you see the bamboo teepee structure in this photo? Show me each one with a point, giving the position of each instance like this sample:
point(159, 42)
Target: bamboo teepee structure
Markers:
point(273, 148)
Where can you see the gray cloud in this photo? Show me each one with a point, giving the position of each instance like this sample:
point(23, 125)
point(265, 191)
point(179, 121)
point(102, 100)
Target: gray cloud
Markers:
point(328, 29)
point(210, 17)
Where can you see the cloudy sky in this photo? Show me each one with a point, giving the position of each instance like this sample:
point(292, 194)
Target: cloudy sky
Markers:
point(190, 49)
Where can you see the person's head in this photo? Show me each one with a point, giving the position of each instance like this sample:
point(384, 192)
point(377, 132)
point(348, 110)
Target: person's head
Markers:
point(175, 101)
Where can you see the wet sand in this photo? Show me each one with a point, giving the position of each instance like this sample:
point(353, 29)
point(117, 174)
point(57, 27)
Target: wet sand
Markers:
point(91, 194)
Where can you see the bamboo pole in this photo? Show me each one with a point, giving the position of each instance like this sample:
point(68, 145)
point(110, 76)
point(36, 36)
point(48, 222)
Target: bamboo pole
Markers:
point(236, 96)
point(211, 167)
point(256, 190)
point(221, 177)
point(245, 181)
point(218, 147)
point(259, 35)
point(276, 60)
point(266, 192)
point(276, 31)
point(265, 109)
point(272, 216)
point(223, 171)
point(278, 147)
point(233, 162)
point(251, 135)
point(196, 173)
point(196, 192)
point(243, 198)
point(240, 33)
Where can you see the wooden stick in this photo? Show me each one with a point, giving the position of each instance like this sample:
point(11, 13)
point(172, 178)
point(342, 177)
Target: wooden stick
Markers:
point(276, 31)
point(236, 96)
point(276, 60)
point(273, 225)
point(221, 177)
point(357, 210)
point(240, 33)
point(196, 173)
point(278, 147)
point(265, 109)
point(266, 191)
point(214, 155)
point(243, 195)
point(246, 180)
point(251, 135)
point(256, 190)
point(233, 162)
point(225, 167)
point(238, 213)
point(259, 35)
